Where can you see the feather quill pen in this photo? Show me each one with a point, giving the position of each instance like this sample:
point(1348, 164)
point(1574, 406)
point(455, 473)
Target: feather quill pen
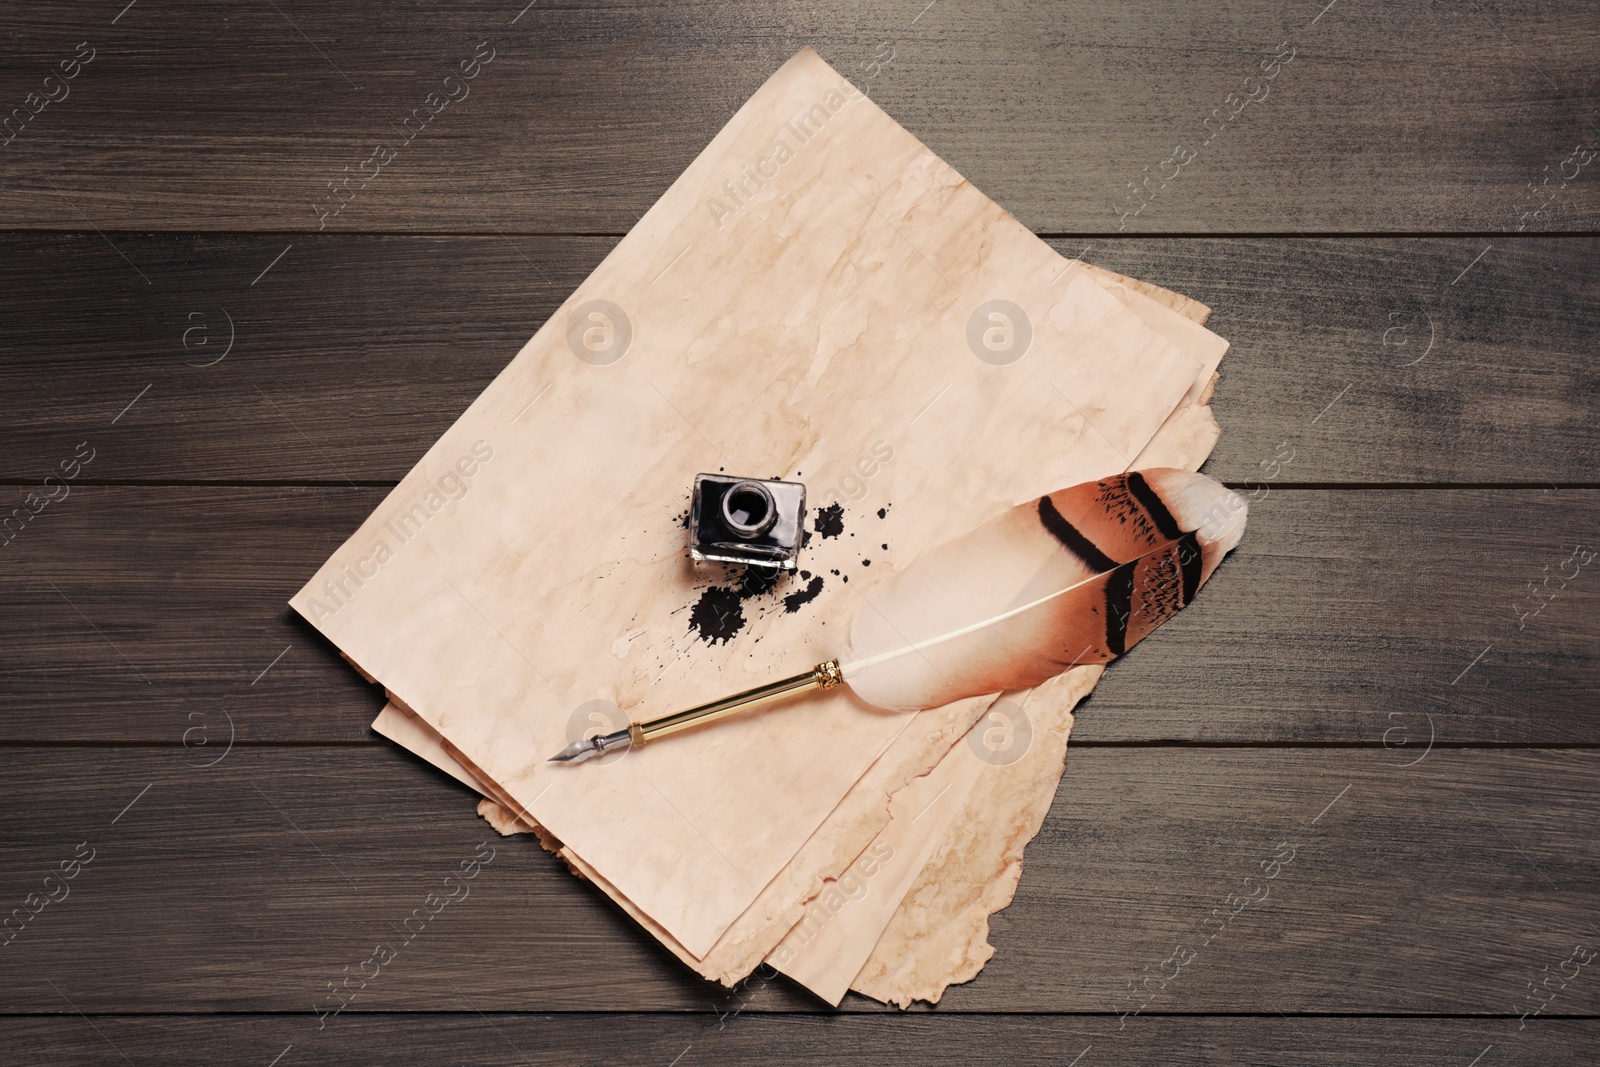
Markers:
point(1078, 576)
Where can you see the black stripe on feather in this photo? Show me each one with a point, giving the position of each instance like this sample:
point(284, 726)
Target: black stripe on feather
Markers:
point(1071, 539)
point(1152, 504)
point(1119, 605)
point(1189, 560)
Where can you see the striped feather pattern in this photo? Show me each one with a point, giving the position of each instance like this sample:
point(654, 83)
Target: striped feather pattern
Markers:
point(1079, 576)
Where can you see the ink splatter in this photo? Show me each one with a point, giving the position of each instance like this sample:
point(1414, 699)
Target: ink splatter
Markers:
point(866, 563)
point(758, 580)
point(793, 602)
point(718, 615)
point(805, 575)
point(886, 548)
point(883, 513)
point(830, 520)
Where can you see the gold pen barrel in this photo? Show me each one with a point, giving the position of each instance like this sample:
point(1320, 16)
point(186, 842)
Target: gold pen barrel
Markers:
point(822, 676)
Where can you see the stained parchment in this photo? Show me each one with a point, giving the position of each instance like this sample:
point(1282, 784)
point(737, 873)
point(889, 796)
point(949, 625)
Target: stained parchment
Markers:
point(532, 561)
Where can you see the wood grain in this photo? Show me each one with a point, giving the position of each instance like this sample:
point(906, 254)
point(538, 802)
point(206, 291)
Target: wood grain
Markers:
point(136, 613)
point(1389, 117)
point(518, 1040)
point(247, 886)
point(352, 355)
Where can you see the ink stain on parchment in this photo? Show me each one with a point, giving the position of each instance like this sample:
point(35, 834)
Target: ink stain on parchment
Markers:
point(830, 520)
point(758, 580)
point(801, 597)
point(717, 615)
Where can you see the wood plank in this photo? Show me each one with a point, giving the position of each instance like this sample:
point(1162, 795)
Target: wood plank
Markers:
point(250, 885)
point(351, 355)
point(1394, 361)
point(338, 370)
point(159, 614)
point(200, 116)
point(142, 613)
point(518, 1040)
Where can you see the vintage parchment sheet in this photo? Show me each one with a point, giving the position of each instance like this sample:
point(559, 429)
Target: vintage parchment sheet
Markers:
point(783, 325)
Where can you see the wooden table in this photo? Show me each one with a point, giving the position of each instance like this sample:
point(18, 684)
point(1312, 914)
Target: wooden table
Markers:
point(1397, 676)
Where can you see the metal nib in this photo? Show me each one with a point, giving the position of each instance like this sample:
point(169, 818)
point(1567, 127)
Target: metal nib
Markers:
point(598, 745)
